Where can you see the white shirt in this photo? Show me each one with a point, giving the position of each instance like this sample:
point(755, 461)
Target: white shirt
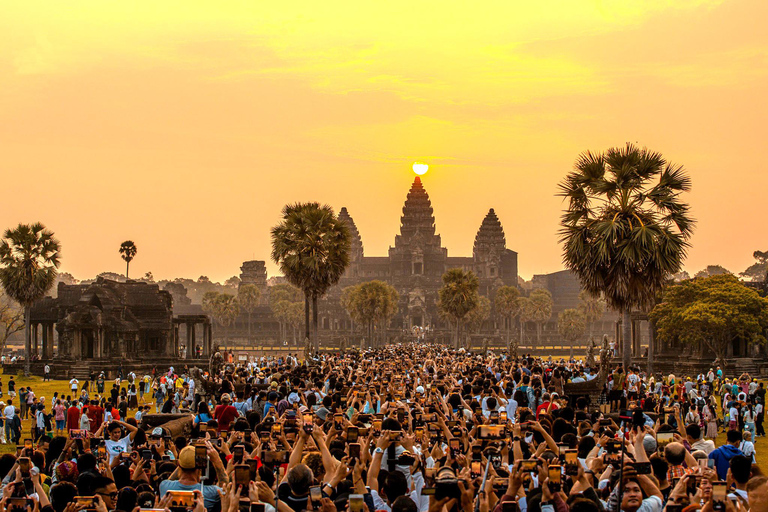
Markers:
point(115, 448)
point(73, 384)
point(9, 411)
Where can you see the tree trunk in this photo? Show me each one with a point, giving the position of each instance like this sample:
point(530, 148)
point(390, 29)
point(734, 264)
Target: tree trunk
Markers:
point(651, 343)
point(315, 325)
point(306, 316)
point(27, 339)
point(626, 342)
point(127, 264)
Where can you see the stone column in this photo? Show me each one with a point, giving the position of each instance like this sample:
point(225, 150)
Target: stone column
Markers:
point(193, 337)
point(175, 340)
point(208, 345)
point(189, 335)
point(34, 339)
point(44, 353)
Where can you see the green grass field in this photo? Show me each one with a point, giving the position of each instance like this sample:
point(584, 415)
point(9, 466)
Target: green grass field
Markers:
point(46, 389)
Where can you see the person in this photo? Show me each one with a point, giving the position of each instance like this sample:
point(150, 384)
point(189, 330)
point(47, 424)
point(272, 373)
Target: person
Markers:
point(115, 442)
point(59, 417)
point(73, 416)
point(73, 383)
point(757, 492)
point(8, 413)
point(187, 477)
point(723, 455)
point(47, 372)
point(224, 413)
point(747, 447)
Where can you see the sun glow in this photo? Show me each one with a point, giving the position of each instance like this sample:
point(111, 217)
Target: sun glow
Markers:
point(420, 168)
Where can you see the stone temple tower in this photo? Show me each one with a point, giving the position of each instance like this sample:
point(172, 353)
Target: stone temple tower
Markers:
point(418, 250)
point(356, 249)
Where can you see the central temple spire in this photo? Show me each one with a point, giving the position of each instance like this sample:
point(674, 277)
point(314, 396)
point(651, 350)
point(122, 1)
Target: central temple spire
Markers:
point(418, 220)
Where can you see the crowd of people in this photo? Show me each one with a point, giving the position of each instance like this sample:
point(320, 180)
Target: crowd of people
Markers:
point(405, 428)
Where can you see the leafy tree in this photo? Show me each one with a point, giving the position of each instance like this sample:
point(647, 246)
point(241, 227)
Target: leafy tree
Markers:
point(757, 271)
point(680, 276)
point(571, 324)
point(508, 307)
point(282, 301)
point(712, 270)
point(29, 256)
point(592, 307)
point(11, 319)
point(714, 311)
point(479, 314)
point(248, 296)
point(625, 231)
point(311, 246)
point(148, 277)
point(458, 296)
point(232, 282)
point(127, 252)
point(538, 309)
point(371, 303)
point(226, 309)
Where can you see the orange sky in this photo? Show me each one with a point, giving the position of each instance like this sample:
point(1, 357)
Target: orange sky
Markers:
point(185, 126)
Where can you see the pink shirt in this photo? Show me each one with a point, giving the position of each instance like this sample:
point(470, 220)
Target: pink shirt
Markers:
point(60, 412)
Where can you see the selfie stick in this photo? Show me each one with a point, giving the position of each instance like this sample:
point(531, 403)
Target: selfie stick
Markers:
point(482, 486)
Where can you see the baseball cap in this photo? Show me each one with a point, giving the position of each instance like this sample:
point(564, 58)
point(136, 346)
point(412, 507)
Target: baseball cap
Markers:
point(187, 457)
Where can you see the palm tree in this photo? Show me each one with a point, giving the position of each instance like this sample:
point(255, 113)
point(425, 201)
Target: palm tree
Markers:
point(248, 296)
point(507, 306)
point(128, 252)
point(625, 231)
point(29, 256)
point(539, 309)
point(458, 296)
point(311, 246)
point(571, 324)
point(227, 309)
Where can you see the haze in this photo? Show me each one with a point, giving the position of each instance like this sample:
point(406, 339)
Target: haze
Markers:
point(186, 126)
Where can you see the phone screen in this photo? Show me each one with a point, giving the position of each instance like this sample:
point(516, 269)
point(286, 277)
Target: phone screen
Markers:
point(356, 503)
point(571, 457)
point(201, 456)
point(354, 450)
point(476, 468)
point(719, 491)
point(277, 429)
point(352, 434)
point(315, 494)
point(554, 474)
point(242, 475)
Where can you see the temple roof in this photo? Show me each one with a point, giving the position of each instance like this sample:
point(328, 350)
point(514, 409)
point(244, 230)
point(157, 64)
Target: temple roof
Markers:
point(356, 251)
point(490, 236)
point(417, 216)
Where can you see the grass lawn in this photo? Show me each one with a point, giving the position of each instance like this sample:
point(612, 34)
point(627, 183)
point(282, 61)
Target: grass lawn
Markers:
point(41, 389)
point(47, 389)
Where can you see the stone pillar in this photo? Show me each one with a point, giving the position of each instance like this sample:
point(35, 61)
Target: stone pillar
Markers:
point(175, 340)
point(189, 336)
point(50, 340)
point(192, 345)
point(208, 344)
point(44, 353)
point(34, 339)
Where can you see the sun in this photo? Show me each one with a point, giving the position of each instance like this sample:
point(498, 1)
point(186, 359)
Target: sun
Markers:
point(420, 168)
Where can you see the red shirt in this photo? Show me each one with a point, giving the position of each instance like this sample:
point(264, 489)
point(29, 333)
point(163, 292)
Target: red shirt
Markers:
point(224, 414)
point(96, 416)
point(543, 407)
point(73, 418)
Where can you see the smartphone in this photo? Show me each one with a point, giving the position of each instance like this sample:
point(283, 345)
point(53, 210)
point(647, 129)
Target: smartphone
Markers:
point(642, 468)
point(24, 465)
point(571, 462)
point(237, 453)
point(258, 507)
point(663, 439)
point(509, 506)
point(455, 447)
point(277, 429)
point(201, 456)
point(352, 434)
point(309, 423)
point(242, 476)
point(356, 503)
point(101, 452)
point(719, 495)
point(376, 428)
point(181, 500)
point(503, 416)
point(86, 502)
point(395, 435)
point(354, 451)
point(529, 465)
point(476, 469)
point(338, 422)
point(419, 432)
point(264, 436)
point(28, 444)
point(554, 478)
point(315, 496)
